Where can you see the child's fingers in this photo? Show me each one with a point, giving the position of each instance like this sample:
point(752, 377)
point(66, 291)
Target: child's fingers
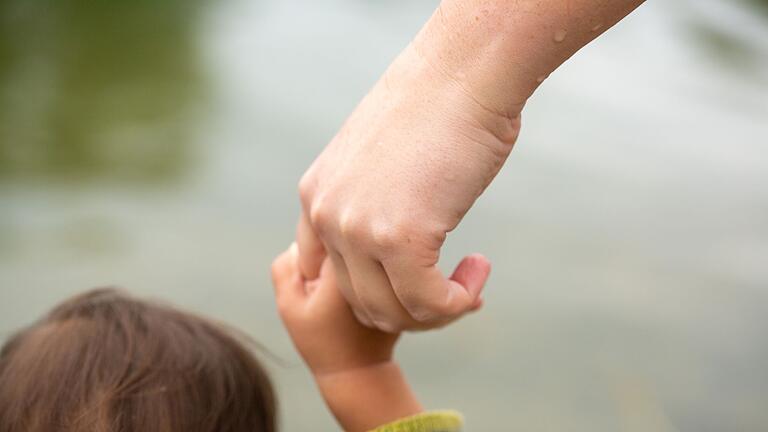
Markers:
point(286, 279)
point(329, 292)
point(310, 248)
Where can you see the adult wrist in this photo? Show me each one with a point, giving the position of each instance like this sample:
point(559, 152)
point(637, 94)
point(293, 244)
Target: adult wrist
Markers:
point(483, 47)
point(504, 49)
point(418, 78)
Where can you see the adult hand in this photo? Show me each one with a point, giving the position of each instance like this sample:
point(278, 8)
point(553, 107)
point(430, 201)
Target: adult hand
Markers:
point(423, 145)
point(380, 199)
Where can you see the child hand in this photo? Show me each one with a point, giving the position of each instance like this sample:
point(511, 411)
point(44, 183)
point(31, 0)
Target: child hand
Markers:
point(320, 322)
point(352, 364)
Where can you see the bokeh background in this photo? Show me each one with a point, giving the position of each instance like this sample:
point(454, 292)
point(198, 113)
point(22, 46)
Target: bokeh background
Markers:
point(157, 146)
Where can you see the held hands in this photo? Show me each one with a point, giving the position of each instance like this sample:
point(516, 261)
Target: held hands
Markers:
point(352, 364)
point(423, 145)
point(321, 324)
point(379, 201)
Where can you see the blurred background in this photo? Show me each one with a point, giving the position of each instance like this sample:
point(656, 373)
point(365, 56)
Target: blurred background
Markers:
point(157, 146)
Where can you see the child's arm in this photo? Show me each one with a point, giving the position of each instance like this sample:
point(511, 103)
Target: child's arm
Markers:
point(352, 364)
point(364, 398)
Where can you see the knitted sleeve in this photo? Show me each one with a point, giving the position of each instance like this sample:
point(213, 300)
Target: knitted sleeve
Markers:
point(430, 421)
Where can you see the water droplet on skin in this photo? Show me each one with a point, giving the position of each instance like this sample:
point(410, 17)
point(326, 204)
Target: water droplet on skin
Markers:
point(560, 35)
point(597, 27)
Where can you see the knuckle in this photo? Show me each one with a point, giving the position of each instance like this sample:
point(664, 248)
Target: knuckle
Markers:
point(362, 318)
point(357, 231)
point(386, 320)
point(406, 236)
point(390, 236)
point(428, 309)
point(275, 270)
point(388, 326)
point(353, 226)
point(320, 214)
point(306, 187)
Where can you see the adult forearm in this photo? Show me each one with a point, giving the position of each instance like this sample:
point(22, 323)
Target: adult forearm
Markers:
point(500, 50)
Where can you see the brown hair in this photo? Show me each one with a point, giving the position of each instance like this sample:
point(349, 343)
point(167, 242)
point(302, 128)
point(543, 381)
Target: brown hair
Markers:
point(105, 362)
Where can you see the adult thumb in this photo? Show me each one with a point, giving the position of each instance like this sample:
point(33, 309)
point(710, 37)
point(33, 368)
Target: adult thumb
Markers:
point(472, 273)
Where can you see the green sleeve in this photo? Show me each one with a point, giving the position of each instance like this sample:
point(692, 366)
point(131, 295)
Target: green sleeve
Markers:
point(430, 421)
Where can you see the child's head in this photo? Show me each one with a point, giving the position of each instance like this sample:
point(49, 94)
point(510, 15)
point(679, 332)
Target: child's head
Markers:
point(102, 361)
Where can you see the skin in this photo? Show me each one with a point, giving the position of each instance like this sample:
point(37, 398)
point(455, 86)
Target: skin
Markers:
point(423, 145)
point(343, 355)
